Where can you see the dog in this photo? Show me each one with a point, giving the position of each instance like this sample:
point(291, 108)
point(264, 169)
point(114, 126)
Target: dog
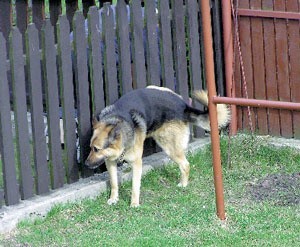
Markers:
point(120, 130)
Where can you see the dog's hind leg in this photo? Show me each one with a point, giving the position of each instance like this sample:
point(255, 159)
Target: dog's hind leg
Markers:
point(113, 174)
point(173, 138)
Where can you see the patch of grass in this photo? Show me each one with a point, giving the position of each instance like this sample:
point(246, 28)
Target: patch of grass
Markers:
point(172, 216)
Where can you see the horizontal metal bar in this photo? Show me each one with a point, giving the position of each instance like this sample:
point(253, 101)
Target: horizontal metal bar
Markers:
point(257, 103)
point(269, 14)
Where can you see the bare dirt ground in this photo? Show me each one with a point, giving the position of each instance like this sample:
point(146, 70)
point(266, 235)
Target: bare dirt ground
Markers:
point(281, 189)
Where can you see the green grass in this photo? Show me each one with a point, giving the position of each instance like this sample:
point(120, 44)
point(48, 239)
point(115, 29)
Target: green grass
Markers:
point(172, 216)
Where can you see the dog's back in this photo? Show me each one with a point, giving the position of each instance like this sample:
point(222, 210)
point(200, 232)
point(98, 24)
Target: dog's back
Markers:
point(154, 105)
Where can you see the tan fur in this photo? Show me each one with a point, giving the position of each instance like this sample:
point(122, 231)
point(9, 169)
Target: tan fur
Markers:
point(223, 112)
point(173, 138)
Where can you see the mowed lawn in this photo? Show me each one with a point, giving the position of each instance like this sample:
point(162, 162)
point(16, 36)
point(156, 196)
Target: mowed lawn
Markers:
point(262, 191)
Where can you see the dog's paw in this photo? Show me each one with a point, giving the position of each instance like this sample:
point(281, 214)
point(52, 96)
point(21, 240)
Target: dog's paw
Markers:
point(112, 201)
point(134, 204)
point(182, 185)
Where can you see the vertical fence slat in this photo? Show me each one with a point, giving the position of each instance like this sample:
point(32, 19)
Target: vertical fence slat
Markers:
point(195, 67)
point(110, 69)
point(180, 49)
point(166, 45)
point(245, 38)
point(270, 68)
point(218, 46)
point(124, 60)
point(36, 103)
point(20, 110)
point(294, 58)
point(137, 42)
point(258, 68)
point(95, 61)
point(82, 89)
point(11, 188)
point(38, 14)
point(283, 69)
point(5, 18)
point(153, 65)
point(53, 114)
point(67, 98)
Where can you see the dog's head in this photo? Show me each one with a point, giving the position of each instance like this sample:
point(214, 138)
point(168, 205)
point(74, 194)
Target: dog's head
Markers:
point(106, 143)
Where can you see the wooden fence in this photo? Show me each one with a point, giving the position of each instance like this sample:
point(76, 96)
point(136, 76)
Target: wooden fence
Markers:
point(66, 83)
point(269, 41)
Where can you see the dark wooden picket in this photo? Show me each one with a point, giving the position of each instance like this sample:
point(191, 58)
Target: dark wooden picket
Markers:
point(52, 102)
point(125, 75)
point(11, 188)
point(110, 67)
point(20, 109)
point(138, 52)
point(42, 179)
point(152, 48)
point(195, 68)
point(95, 61)
point(181, 86)
point(67, 98)
point(82, 89)
point(166, 51)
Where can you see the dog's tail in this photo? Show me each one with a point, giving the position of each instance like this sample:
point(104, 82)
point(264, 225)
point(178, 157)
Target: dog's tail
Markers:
point(202, 120)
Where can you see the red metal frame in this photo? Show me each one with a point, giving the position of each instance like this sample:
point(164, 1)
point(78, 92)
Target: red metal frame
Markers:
point(269, 14)
point(210, 79)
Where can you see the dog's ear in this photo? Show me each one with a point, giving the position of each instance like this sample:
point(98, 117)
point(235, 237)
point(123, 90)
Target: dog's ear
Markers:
point(95, 122)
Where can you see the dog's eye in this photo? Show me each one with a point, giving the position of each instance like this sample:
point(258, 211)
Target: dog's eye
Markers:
point(96, 149)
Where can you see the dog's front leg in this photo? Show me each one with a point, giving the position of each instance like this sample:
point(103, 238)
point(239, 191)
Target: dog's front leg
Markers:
point(136, 182)
point(113, 174)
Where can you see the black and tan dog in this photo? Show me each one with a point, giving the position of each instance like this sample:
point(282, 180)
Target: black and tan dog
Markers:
point(157, 112)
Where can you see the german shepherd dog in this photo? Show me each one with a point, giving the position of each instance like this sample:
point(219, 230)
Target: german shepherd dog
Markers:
point(121, 129)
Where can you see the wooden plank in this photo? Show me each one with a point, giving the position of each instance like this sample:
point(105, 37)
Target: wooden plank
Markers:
point(52, 102)
point(86, 4)
point(5, 19)
point(218, 47)
point(42, 179)
point(246, 43)
point(38, 14)
point(294, 58)
point(283, 69)
point(270, 69)
point(181, 86)
point(95, 61)
point(22, 16)
point(125, 75)
point(71, 7)
point(138, 52)
point(82, 90)
point(195, 67)
point(258, 68)
point(67, 98)
point(152, 49)
point(110, 68)
point(11, 188)
point(166, 51)
point(20, 110)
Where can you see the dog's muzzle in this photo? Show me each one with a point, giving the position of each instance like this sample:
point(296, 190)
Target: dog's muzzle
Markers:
point(94, 165)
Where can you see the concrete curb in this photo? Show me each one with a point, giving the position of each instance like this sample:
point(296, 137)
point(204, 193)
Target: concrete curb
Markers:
point(84, 188)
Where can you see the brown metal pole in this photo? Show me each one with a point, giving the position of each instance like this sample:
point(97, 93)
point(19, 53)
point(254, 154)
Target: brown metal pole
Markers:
point(210, 80)
point(228, 58)
point(258, 103)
